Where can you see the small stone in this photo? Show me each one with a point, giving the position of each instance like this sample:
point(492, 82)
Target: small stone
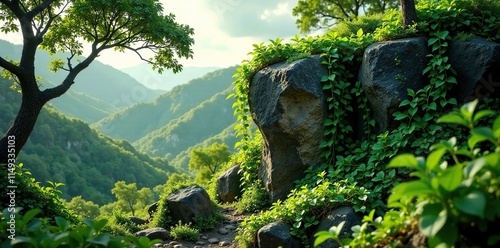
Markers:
point(223, 231)
point(224, 243)
point(230, 227)
point(201, 242)
point(213, 241)
point(204, 237)
point(173, 243)
point(178, 246)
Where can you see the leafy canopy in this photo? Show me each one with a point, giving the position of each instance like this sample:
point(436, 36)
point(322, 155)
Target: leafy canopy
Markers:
point(207, 160)
point(314, 14)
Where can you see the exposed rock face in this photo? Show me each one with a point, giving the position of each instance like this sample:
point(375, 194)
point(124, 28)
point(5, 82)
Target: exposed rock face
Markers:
point(477, 63)
point(152, 209)
point(388, 70)
point(277, 234)
point(153, 233)
point(186, 203)
point(137, 220)
point(228, 185)
point(334, 218)
point(288, 106)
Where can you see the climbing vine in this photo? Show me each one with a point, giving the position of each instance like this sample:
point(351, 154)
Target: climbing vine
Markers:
point(361, 162)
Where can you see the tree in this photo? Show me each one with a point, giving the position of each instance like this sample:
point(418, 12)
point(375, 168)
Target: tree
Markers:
point(83, 208)
point(129, 198)
point(72, 25)
point(207, 160)
point(314, 14)
point(409, 12)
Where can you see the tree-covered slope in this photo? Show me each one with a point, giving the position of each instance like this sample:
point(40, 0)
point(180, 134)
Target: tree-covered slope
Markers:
point(138, 120)
point(67, 150)
point(206, 120)
point(99, 90)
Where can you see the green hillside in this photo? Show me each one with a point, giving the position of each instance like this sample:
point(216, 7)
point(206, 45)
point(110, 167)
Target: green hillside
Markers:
point(138, 120)
point(99, 90)
point(67, 150)
point(195, 126)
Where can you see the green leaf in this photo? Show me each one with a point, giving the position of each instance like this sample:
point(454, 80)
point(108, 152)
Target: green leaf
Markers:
point(451, 178)
point(434, 158)
point(404, 160)
point(433, 219)
point(453, 118)
point(482, 114)
point(472, 203)
point(484, 132)
point(360, 32)
point(102, 239)
point(409, 190)
point(496, 128)
point(474, 139)
point(474, 167)
point(468, 109)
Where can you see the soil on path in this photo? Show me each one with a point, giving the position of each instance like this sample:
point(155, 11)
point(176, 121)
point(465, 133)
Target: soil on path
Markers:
point(221, 236)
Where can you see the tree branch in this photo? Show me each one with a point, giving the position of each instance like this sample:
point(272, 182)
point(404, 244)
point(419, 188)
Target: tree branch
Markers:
point(14, 69)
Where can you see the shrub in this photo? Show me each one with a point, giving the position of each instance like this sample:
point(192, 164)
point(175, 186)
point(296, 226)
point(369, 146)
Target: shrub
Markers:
point(184, 232)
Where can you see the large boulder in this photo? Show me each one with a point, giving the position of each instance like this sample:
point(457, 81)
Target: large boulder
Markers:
point(277, 234)
point(288, 105)
point(228, 185)
point(186, 203)
point(477, 63)
point(388, 69)
point(334, 218)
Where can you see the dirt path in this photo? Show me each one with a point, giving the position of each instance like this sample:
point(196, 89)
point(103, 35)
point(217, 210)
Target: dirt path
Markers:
point(221, 236)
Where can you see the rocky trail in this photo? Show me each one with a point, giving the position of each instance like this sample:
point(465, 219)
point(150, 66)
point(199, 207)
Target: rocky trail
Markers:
point(223, 235)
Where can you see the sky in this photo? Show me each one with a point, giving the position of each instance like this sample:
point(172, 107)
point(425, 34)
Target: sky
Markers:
point(224, 30)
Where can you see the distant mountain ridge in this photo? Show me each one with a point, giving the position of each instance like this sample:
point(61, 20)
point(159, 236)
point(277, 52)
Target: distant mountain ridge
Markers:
point(166, 81)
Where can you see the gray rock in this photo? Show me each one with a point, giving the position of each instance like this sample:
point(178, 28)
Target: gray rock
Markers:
point(152, 209)
point(213, 241)
point(277, 234)
point(389, 68)
point(186, 203)
point(224, 243)
point(201, 242)
point(228, 185)
point(137, 220)
point(288, 105)
point(477, 63)
point(223, 231)
point(334, 218)
point(153, 233)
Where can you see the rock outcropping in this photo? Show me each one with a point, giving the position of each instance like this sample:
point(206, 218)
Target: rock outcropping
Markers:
point(288, 104)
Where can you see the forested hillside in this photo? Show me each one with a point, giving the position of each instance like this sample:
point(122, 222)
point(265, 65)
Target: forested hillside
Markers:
point(195, 126)
point(137, 121)
point(99, 91)
point(67, 150)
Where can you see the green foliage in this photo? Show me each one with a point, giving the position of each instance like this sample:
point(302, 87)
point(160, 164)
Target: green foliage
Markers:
point(361, 161)
point(208, 223)
point(184, 232)
point(206, 161)
point(29, 194)
point(254, 198)
point(32, 231)
point(314, 14)
point(130, 199)
point(349, 28)
point(83, 208)
point(461, 191)
point(303, 208)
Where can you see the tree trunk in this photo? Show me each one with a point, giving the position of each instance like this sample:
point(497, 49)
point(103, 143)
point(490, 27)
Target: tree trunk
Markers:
point(17, 135)
point(409, 12)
